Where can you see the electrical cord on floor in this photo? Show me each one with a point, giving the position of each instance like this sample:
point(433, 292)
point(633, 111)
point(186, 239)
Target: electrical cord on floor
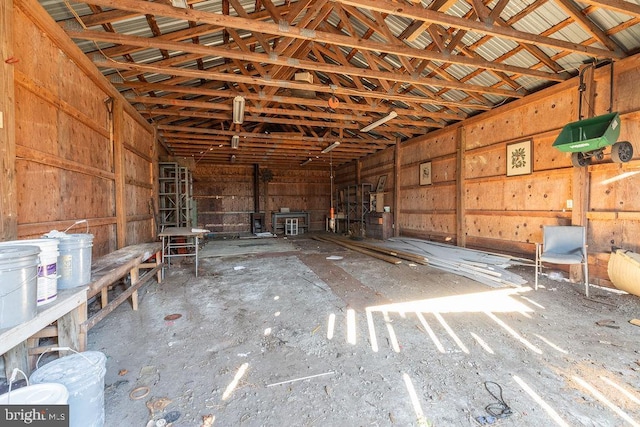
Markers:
point(498, 409)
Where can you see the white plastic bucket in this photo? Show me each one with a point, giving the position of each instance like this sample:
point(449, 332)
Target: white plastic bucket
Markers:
point(47, 282)
point(18, 284)
point(74, 260)
point(83, 376)
point(38, 394)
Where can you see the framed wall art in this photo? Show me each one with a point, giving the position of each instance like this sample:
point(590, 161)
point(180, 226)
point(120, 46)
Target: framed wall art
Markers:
point(519, 158)
point(425, 173)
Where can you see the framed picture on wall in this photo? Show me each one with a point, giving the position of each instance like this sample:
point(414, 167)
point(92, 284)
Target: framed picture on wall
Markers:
point(382, 181)
point(425, 173)
point(519, 158)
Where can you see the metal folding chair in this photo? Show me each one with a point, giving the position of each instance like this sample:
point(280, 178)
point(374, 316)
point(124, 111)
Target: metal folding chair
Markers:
point(563, 244)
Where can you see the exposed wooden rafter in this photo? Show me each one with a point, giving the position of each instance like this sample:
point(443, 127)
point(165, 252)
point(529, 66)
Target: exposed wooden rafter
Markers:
point(313, 71)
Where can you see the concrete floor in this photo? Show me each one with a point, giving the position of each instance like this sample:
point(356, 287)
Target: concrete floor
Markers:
point(383, 345)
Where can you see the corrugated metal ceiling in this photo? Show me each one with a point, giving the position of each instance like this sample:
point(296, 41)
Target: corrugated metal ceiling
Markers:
point(430, 83)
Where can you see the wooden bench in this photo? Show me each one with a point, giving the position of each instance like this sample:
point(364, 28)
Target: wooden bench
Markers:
point(107, 270)
point(69, 311)
point(66, 318)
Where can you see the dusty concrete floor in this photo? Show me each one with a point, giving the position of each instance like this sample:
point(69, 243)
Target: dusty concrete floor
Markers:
point(386, 345)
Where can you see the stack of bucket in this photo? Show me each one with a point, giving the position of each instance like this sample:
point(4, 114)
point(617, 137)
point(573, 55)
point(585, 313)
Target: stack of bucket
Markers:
point(32, 271)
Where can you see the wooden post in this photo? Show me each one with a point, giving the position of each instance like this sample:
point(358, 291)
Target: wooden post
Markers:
point(70, 333)
point(117, 123)
point(267, 208)
point(134, 274)
point(8, 185)
point(358, 191)
point(581, 176)
point(396, 189)
point(155, 182)
point(256, 190)
point(17, 357)
point(461, 224)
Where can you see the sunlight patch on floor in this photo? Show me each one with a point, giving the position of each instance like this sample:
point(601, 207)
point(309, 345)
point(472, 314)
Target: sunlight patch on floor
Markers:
point(331, 326)
point(392, 332)
point(432, 335)
point(498, 301)
point(482, 343)
point(451, 333)
point(513, 333)
point(351, 326)
point(622, 390)
point(529, 300)
point(550, 344)
point(540, 401)
point(372, 331)
point(413, 396)
point(602, 398)
point(234, 383)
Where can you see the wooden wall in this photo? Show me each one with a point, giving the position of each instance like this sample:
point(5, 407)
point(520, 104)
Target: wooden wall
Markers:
point(81, 151)
point(471, 201)
point(225, 195)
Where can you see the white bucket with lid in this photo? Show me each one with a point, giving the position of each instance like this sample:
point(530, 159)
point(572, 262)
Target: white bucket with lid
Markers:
point(47, 283)
point(18, 284)
point(74, 259)
point(38, 394)
point(83, 376)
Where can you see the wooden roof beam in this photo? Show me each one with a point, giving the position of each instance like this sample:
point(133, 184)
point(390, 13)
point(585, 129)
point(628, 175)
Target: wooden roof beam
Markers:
point(211, 106)
point(578, 16)
point(287, 62)
point(303, 33)
point(197, 74)
point(204, 91)
point(621, 6)
point(427, 15)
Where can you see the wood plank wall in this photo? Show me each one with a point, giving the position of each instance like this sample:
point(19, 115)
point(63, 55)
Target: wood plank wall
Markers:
point(8, 186)
point(81, 151)
point(507, 213)
point(225, 196)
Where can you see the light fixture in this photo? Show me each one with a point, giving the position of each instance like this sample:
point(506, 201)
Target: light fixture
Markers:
point(233, 158)
point(331, 147)
point(385, 119)
point(238, 110)
point(235, 141)
point(306, 162)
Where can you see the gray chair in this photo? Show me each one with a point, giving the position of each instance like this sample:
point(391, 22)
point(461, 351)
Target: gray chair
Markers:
point(563, 244)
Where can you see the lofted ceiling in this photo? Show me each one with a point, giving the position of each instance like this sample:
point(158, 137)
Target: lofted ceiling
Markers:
point(313, 72)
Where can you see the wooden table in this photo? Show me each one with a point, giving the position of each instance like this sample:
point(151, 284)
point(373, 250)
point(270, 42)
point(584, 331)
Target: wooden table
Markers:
point(179, 242)
point(69, 310)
